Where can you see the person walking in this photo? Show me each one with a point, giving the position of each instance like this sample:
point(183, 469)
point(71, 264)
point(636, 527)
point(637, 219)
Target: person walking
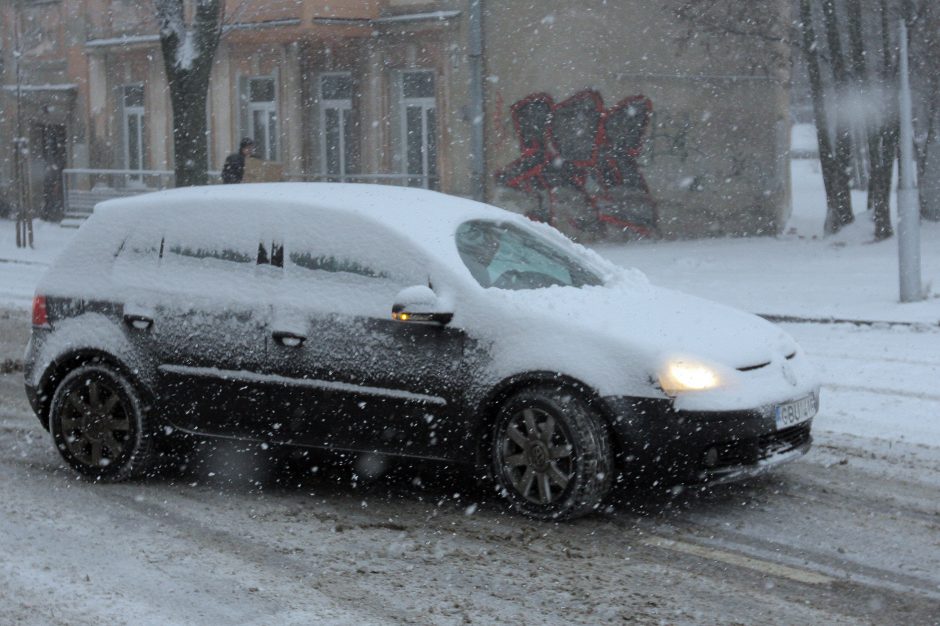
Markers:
point(234, 169)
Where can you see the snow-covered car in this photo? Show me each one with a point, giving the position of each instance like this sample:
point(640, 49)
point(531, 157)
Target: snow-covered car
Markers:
point(396, 321)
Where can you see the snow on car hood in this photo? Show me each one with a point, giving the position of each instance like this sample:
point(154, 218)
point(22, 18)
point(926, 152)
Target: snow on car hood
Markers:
point(656, 322)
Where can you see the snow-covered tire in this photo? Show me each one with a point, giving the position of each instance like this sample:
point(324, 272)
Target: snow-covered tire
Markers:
point(551, 454)
point(99, 424)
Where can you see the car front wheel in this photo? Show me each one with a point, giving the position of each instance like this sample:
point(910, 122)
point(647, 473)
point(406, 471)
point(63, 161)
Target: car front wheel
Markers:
point(99, 424)
point(551, 454)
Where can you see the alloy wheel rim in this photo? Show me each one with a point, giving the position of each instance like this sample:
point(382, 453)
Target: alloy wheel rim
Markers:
point(95, 421)
point(536, 456)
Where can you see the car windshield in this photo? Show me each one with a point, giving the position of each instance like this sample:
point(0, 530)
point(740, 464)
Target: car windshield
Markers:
point(505, 256)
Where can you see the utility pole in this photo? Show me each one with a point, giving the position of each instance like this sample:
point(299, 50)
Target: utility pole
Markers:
point(908, 203)
point(477, 108)
point(24, 218)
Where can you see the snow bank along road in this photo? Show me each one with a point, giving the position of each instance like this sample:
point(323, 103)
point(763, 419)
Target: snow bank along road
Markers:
point(850, 534)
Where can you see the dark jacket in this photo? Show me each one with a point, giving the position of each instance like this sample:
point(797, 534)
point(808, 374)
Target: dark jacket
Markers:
point(234, 168)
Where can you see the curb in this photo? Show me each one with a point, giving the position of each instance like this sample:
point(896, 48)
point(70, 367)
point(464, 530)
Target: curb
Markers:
point(796, 319)
point(11, 366)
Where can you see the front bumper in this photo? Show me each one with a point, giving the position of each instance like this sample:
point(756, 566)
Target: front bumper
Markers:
point(655, 440)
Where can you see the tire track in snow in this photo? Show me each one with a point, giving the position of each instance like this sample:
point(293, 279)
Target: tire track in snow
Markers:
point(170, 531)
point(891, 502)
point(588, 555)
point(884, 391)
point(358, 598)
point(870, 358)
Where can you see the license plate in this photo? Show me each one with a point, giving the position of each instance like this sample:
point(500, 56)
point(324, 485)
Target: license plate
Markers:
point(796, 412)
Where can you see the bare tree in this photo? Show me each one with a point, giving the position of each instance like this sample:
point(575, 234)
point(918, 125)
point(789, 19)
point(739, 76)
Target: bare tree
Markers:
point(840, 213)
point(760, 35)
point(882, 129)
point(923, 19)
point(835, 179)
point(189, 37)
point(879, 189)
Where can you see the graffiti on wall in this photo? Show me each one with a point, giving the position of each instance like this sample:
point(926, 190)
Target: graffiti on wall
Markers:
point(580, 144)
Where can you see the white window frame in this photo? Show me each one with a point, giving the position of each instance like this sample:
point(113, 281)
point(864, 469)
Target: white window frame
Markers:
point(138, 112)
point(344, 106)
point(269, 150)
point(425, 103)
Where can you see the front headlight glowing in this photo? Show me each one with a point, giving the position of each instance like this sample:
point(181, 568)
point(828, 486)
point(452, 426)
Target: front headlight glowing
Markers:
point(687, 376)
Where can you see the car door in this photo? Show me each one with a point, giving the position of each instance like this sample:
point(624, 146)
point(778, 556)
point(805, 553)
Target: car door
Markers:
point(204, 316)
point(354, 378)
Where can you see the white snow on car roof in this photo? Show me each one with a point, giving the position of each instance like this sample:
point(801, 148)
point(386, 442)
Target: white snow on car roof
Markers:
point(405, 209)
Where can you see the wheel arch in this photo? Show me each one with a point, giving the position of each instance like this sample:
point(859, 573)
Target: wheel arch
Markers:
point(489, 407)
point(68, 361)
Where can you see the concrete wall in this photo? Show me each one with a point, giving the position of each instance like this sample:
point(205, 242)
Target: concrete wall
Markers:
point(714, 157)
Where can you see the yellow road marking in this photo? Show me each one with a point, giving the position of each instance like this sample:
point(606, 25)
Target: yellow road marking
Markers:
point(739, 560)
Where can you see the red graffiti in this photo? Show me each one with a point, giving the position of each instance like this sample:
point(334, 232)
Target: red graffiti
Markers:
point(580, 144)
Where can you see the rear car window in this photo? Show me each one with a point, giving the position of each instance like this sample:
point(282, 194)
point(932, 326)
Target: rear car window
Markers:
point(222, 254)
point(328, 263)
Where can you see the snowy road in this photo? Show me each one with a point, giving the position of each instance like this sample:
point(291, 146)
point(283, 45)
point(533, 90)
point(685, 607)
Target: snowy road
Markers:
point(850, 534)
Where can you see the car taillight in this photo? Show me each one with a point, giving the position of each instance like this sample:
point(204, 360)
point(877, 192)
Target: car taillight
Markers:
point(40, 314)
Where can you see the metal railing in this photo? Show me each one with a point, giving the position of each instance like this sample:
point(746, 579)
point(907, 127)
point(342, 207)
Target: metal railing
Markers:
point(404, 180)
point(83, 188)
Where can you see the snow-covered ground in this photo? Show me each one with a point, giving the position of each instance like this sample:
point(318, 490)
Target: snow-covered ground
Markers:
point(799, 273)
point(21, 268)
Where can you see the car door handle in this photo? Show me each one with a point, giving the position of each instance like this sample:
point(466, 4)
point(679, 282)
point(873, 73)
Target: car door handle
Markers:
point(138, 322)
point(288, 340)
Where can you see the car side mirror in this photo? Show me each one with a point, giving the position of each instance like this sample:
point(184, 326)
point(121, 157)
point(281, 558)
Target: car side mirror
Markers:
point(420, 304)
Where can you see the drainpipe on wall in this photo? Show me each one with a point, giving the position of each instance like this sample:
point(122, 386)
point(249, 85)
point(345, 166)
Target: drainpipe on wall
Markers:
point(477, 116)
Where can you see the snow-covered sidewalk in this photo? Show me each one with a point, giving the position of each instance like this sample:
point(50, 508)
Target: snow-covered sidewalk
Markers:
point(844, 277)
point(21, 268)
point(799, 273)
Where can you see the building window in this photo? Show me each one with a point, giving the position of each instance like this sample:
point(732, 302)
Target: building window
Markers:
point(336, 127)
point(419, 128)
point(259, 121)
point(132, 101)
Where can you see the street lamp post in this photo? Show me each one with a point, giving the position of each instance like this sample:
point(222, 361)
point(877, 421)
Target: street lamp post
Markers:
point(908, 201)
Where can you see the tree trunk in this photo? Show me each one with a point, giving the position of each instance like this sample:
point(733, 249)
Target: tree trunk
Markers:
point(188, 53)
point(879, 187)
point(843, 214)
point(925, 51)
point(880, 144)
point(191, 166)
point(831, 179)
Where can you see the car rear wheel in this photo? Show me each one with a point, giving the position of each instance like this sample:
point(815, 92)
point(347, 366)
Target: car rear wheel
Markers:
point(551, 454)
point(99, 424)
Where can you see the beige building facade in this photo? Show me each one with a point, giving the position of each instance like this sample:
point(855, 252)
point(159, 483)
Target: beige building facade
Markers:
point(587, 112)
